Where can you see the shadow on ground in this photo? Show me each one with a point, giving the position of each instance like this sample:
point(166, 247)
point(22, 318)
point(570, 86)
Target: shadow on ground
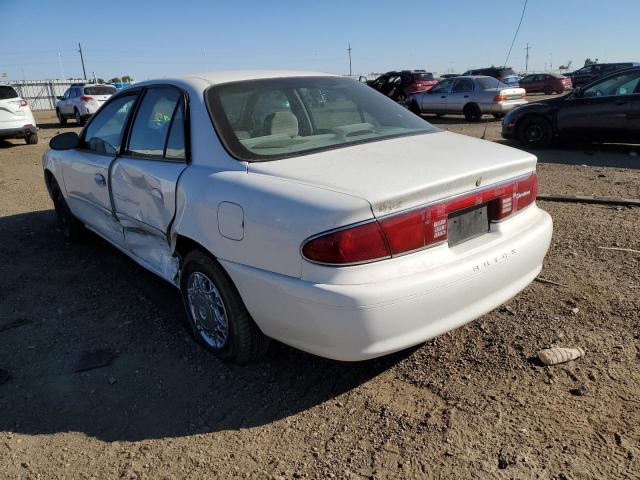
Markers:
point(60, 302)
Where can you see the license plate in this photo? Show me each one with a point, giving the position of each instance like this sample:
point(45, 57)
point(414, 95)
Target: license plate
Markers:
point(467, 224)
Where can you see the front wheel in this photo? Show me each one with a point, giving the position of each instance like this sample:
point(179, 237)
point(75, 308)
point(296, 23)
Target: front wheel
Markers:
point(62, 120)
point(71, 227)
point(414, 108)
point(472, 112)
point(216, 313)
point(535, 132)
point(80, 120)
point(548, 90)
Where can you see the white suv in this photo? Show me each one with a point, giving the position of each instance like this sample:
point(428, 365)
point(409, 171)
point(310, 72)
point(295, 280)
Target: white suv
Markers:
point(82, 101)
point(16, 119)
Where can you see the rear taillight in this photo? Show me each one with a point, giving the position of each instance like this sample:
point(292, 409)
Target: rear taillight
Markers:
point(361, 243)
point(23, 103)
point(86, 98)
point(499, 98)
point(418, 228)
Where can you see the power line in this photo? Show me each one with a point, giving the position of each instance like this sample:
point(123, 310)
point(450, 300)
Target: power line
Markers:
point(516, 35)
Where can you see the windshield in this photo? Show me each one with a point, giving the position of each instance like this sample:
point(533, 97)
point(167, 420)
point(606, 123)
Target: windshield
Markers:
point(100, 90)
point(489, 83)
point(7, 92)
point(268, 119)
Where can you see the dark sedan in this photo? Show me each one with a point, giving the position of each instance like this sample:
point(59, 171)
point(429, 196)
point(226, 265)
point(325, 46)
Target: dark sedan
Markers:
point(606, 110)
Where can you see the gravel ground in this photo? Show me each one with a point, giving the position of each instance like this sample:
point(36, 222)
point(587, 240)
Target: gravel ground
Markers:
point(474, 403)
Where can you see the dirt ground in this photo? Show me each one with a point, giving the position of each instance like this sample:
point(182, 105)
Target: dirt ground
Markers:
point(474, 403)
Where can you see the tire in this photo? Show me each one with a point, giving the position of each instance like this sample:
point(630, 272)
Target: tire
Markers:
point(439, 115)
point(402, 100)
point(32, 139)
point(216, 313)
point(414, 108)
point(547, 90)
point(80, 120)
point(498, 116)
point(61, 118)
point(472, 112)
point(535, 132)
point(72, 228)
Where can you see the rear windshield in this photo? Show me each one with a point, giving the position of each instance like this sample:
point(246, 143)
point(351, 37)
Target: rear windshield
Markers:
point(422, 76)
point(7, 92)
point(489, 83)
point(268, 119)
point(507, 71)
point(100, 90)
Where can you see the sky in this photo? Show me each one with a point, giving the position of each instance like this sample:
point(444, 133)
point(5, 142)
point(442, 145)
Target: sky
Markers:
point(151, 39)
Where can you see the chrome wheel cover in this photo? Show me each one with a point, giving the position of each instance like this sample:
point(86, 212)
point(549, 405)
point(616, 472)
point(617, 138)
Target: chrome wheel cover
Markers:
point(207, 310)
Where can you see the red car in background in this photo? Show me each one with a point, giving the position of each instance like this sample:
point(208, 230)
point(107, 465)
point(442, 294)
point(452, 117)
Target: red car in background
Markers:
point(547, 83)
point(399, 85)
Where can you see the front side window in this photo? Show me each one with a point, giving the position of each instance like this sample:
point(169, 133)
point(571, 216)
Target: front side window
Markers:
point(104, 133)
point(152, 122)
point(304, 115)
point(625, 84)
point(443, 87)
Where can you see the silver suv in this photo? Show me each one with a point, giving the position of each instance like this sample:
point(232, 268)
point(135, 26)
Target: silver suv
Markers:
point(82, 101)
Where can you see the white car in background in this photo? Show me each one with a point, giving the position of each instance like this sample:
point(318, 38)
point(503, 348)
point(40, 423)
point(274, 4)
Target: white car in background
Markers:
point(81, 101)
point(349, 228)
point(16, 119)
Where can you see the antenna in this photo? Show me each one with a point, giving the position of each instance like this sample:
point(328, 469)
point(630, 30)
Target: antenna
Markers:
point(349, 50)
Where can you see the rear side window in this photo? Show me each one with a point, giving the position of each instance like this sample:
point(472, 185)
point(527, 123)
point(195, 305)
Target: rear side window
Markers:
point(463, 85)
point(100, 90)
point(151, 126)
point(488, 83)
point(104, 133)
point(7, 92)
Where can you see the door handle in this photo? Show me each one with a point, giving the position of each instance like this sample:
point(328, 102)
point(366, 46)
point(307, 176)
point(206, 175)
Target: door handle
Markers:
point(99, 179)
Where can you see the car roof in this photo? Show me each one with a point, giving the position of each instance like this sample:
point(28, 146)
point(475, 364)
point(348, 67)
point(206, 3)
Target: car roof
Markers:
point(226, 76)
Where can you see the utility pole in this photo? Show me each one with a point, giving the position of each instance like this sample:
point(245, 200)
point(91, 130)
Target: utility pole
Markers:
point(84, 72)
point(349, 50)
point(527, 48)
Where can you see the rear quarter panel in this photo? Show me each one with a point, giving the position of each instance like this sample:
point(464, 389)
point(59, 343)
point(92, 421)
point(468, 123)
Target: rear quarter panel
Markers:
point(278, 216)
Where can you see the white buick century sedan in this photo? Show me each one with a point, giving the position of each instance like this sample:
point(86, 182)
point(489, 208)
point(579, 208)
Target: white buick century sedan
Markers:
point(303, 207)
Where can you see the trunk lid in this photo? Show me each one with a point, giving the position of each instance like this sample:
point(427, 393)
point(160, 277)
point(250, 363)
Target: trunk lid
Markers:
point(402, 173)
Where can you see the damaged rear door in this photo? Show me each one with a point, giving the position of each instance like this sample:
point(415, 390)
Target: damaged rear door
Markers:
point(144, 177)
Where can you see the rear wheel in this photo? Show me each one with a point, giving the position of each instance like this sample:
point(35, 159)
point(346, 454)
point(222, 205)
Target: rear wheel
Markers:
point(80, 120)
point(472, 112)
point(535, 132)
point(402, 100)
point(498, 115)
point(547, 90)
point(415, 108)
point(32, 138)
point(217, 315)
point(61, 118)
point(71, 227)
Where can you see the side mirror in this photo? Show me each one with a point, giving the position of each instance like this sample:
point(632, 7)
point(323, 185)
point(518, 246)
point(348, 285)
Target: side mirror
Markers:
point(578, 92)
point(65, 141)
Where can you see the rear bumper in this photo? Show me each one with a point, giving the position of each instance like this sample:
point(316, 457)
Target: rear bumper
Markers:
point(503, 107)
point(19, 132)
point(365, 320)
